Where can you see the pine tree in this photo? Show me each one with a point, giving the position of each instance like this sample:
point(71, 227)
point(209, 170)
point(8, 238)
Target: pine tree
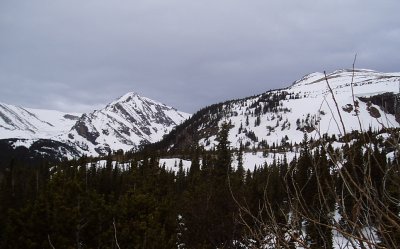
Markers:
point(180, 178)
point(223, 162)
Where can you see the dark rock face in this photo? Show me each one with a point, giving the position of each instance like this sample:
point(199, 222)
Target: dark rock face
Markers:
point(374, 112)
point(71, 117)
point(124, 123)
point(348, 108)
point(84, 131)
point(5, 118)
point(388, 102)
point(385, 101)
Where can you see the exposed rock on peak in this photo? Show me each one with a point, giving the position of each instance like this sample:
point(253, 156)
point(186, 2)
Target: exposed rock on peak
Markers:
point(124, 124)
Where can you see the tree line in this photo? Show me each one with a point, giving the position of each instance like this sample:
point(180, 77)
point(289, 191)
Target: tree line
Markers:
point(353, 193)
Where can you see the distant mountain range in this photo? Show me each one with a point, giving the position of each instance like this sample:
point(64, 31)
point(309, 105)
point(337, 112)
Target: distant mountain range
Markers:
point(19, 122)
point(125, 124)
point(274, 117)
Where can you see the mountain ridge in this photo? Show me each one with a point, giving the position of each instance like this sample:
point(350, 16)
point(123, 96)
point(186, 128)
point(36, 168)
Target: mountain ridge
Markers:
point(124, 123)
point(267, 119)
point(22, 122)
point(284, 115)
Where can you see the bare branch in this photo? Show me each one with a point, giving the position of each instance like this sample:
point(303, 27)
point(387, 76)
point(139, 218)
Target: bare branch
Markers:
point(115, 234)
point(51, 244)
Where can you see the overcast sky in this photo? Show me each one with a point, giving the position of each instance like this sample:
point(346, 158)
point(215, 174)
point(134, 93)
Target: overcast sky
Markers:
point(76, 55)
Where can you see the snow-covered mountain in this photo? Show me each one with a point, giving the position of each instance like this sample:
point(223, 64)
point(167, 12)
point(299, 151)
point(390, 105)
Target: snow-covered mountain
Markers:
point(307, 106)
point(26, 123)
point(363, 100)
point(124, 124)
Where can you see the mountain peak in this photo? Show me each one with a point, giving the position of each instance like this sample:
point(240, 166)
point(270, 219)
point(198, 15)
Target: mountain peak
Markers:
point(339, 77)
point(309, 77)
point(125, 123)
point(130, 98)
point(129, 94)
point(305, 107)
point(127, 97)
point(356, 70)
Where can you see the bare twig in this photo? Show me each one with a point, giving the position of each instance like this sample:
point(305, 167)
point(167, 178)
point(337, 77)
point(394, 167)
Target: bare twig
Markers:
point(115, 234)
point(51, 244)
point(355, 102)
point(337, 106)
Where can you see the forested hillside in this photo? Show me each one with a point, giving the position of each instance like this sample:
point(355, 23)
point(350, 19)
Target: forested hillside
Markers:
point(321, 199)
point(318, 104)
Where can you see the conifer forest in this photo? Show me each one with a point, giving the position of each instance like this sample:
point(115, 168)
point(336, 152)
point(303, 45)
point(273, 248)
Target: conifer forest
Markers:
point(320, 196)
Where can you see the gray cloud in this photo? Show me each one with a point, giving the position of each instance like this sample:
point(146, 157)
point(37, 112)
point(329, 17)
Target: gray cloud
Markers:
point(75, 55)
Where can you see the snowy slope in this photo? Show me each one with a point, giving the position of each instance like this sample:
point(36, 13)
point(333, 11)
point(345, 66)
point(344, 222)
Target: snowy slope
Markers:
point(274, 117)
point(124, 124)
point(18, 122)
point(307, 106)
